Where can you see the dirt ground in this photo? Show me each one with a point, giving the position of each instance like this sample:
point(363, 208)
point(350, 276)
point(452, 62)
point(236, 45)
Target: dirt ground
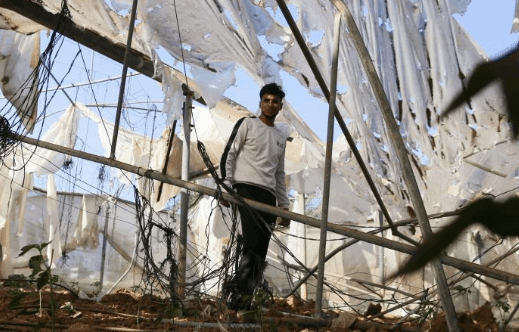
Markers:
point(23, 308)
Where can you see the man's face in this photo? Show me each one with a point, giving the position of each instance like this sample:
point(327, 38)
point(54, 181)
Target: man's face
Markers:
point(270, 105)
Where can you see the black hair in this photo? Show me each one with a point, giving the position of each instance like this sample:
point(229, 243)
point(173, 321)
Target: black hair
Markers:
point(272, 89)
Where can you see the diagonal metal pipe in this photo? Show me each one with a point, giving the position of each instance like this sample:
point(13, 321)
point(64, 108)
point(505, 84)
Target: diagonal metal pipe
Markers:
point(335, 228)
point(328, 164)
point(324, 87)
point(123, 78)
point(402, 158)
point(396, 139)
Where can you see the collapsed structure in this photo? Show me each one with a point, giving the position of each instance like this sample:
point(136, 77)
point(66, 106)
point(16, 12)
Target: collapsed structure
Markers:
point(421, 55)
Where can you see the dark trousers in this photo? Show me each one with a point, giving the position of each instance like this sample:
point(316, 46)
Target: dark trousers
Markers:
point(256, 230)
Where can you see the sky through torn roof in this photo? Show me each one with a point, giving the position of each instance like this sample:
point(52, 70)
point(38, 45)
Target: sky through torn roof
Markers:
point(488, 22)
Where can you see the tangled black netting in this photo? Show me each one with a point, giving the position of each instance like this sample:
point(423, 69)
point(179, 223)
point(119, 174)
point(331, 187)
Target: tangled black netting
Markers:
point(17, 120)
point(160, 242)
point(233, 251)
point(158, 275)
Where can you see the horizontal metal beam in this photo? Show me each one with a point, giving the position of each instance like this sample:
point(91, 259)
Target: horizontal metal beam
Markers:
point(335, 228)
point(136, 60)
point(91, 39)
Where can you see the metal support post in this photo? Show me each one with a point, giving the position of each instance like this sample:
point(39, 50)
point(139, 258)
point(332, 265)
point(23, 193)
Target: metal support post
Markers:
point(338, 229)
point(304, 286)
point(184, 194)
point(123, 79)
point(109, 204)
point(342, 124)
point(381, 253)
point(299, 246)
point(403, 160)
point(328, 165)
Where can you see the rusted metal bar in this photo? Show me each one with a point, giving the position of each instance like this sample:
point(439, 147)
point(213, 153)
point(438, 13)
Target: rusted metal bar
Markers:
point(402, 159)
point(122, 87)
point(328, 164)
point(335, 228)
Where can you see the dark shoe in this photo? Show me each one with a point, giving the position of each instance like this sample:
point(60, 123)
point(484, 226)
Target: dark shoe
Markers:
point(239, 302)
point(234, 297)
point(263, 295)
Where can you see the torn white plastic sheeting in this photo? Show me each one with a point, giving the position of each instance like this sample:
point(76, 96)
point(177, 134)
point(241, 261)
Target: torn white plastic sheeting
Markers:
point(52, 220)
point(138, 150)
point(225, 37)
point(19, 56)
point(515, 26)
point(213, 126)
point(96, 15)
point(63, 133)
point(10, 20)
point(15, 185)
point(414, 29)
point(419, 51)
point(172, 88)
point(85, 235)
point(209, 236)
point(215, 43)
point(19, 198)
point(142, 151)
point(83, 265)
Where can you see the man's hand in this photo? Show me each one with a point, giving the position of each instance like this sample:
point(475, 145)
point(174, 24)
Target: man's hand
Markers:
point(284, 222)
point(224, 202)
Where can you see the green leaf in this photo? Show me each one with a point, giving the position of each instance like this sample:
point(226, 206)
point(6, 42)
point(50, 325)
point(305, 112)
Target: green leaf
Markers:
point(28, 247)
point(35, 264)
point(43, 280)
point(43, 245)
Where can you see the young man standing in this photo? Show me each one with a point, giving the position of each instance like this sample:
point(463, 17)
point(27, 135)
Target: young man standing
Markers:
point(255, 168)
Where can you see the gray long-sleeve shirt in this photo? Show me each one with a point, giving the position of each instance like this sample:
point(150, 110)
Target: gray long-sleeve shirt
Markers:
point(257, 157)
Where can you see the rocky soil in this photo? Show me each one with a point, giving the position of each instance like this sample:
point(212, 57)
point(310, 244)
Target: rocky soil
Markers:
point(23, 308)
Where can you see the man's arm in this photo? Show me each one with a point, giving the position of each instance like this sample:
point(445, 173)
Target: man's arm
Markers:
point(232, 154)
point(281, 189)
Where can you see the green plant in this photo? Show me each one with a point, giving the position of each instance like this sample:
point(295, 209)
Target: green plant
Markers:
point(503, 308)
point(173, 309)
point(41, 271)
point(170, 310)
point(463, 290)
point(425, 311)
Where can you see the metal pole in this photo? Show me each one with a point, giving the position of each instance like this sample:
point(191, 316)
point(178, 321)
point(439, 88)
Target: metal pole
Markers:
point(123, 79)
point(403, 160)
point(322, 84)
point(299, 230)
point(452, 282)
point(166, 159)
point(304, 286)
point(460, 264)
point(184, 193)
point(328, 165)
point(381, 258)
point(103, 252)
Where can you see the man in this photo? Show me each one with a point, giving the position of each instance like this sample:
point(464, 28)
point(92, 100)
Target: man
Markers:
point(255, 168)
